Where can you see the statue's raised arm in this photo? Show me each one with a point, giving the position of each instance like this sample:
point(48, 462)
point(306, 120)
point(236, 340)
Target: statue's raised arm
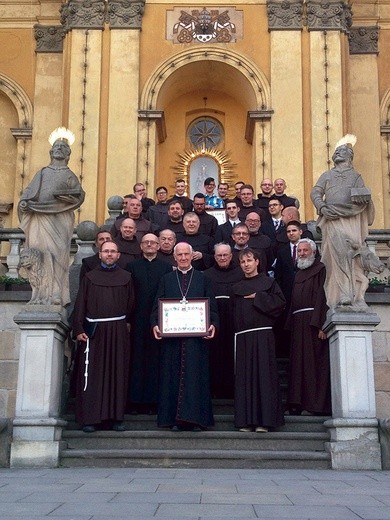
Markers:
point(46, 213)
point(345, 211)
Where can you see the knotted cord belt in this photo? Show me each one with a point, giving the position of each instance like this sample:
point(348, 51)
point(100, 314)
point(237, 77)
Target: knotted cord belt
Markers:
point(86, 351)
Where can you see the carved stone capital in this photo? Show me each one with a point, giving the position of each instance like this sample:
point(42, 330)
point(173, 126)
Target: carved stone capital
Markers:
point(284, 15)
point(49, 38)
point(328, 15)
point(83, 14)
point(125, 14)
point(363, 40)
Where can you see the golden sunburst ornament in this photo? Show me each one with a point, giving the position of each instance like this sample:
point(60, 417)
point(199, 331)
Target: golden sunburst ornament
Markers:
point(226, 167)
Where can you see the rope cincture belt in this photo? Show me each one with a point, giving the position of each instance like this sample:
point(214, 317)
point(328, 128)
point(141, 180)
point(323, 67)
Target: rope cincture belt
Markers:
point(219, 297)
point(86, 351)
point(304, 310)
point(244, 332)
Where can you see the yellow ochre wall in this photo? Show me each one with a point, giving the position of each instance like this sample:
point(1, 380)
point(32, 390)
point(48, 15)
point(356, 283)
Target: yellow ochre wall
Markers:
point(121, 63)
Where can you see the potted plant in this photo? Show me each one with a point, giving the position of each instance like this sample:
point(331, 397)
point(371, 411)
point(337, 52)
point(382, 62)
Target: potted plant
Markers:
point(14, 284)
point(376, 285)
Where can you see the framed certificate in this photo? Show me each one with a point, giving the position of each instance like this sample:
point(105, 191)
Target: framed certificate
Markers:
point(184, 318)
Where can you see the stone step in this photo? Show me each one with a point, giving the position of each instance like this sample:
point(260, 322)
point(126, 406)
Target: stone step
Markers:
point(207, 440)
point(238, 459)
point(223, 422)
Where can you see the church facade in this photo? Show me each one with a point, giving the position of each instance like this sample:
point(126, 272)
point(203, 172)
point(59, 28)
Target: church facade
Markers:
point(156, 91)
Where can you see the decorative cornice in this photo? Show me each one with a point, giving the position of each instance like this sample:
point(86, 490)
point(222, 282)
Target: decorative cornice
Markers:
point(285, 15)
point(22, 133)
point(125, 14)
point(363, 40)
point(159, 118)
point(49, 38)
point(252, 117)
point(328, 15)
point(83, 14)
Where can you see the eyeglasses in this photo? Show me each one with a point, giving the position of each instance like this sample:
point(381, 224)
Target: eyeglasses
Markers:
point(244, 233)
point(223, 255)
point(149, 242)
point(252, 220)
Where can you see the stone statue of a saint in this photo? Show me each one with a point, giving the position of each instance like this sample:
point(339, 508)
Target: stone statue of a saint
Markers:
point(46, 213)
point(345, 211)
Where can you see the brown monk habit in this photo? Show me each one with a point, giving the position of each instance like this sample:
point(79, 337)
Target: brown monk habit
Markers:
point(309, 385)
point(257, 395)
point(104, 293)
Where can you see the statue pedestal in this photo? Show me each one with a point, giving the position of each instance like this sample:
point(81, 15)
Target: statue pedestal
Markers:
point(37, 427)
point(354, 442)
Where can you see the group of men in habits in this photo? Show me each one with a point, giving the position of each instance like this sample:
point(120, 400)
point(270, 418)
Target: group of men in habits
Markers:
point(124, 358)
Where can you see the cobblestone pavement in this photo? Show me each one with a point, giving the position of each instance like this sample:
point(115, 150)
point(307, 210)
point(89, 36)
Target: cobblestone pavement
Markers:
point(192, 494)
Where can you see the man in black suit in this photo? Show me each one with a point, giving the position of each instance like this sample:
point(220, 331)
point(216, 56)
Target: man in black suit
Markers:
point(274, 226)
point(224, 231)
point(285, 269)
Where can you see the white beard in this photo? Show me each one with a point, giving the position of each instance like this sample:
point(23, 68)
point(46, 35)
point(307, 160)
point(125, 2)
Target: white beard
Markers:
point(305, 263)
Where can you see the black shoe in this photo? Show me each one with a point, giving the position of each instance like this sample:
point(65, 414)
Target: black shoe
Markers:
point(89, 428)
point(119, 427)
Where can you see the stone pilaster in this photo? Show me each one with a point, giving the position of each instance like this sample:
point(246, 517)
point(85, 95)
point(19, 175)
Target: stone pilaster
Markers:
point(123, 102)
point(37, 425)
point(354, 442)
point(287, 146)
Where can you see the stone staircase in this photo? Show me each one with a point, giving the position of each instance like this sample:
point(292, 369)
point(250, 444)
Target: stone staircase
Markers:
point(300, 443)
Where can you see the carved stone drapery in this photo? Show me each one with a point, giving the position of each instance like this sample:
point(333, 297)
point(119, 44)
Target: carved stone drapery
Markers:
point(83, 14)
point(125, 14)
point(324, 15)
point(363, 40)
point(49, 38)
point(285, 15)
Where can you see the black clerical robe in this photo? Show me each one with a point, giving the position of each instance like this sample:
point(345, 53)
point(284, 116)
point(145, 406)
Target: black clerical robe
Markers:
point(103, 293)
point(144, 348)
point(257, 393)
point(184, 390)
point(309, 381)
point(222, 346)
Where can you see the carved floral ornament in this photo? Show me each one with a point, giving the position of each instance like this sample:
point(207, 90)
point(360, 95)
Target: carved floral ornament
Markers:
point(316, 15)
point(363, 40)
point(49, 38)
point(93, 14)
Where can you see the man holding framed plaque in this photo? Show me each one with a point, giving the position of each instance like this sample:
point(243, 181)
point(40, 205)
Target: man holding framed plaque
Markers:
point(184, 317)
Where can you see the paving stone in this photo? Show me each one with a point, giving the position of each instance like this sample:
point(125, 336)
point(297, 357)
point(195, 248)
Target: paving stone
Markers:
point(111, 510)
point(205, 510)
point(306, 512)
point(159, 498)
point(372, 513)
point(66, 497)
point(242, 498)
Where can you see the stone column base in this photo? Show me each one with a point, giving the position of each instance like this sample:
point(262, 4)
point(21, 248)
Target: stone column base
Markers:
point(354, 444)
point(36, 443)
